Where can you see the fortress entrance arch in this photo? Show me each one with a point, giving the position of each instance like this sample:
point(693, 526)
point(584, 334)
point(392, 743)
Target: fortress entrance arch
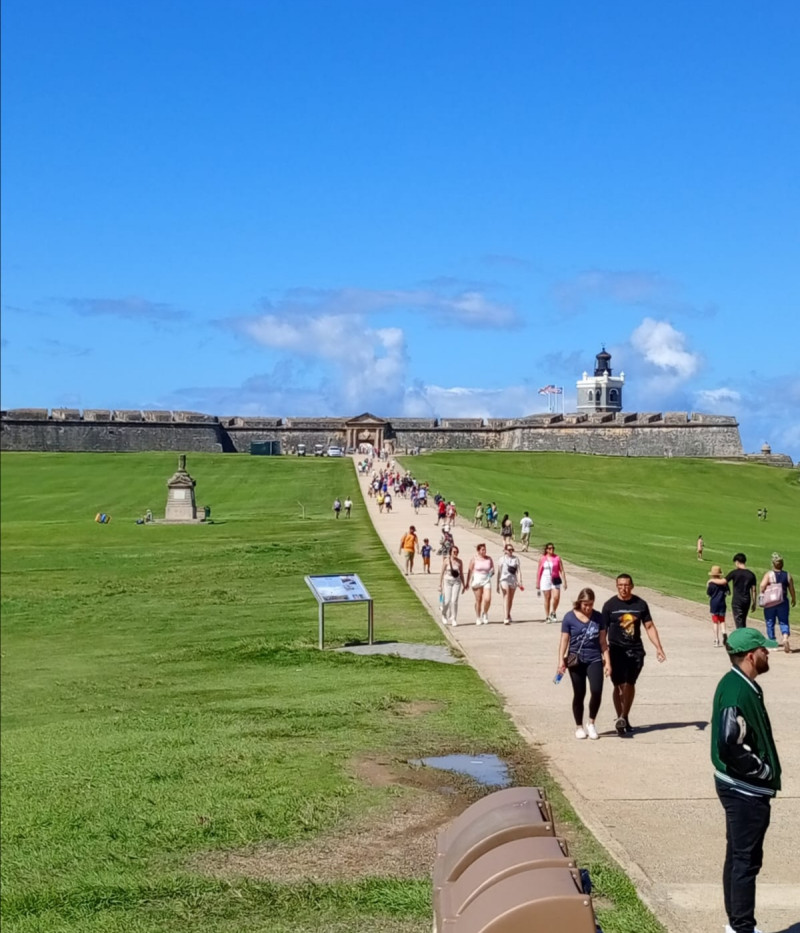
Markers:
point(365, 429)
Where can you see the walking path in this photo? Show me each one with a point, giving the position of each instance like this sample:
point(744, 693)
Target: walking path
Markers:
point(649, 799)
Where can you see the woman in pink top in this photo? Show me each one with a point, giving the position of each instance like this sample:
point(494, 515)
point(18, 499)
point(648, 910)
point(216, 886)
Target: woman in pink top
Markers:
point(550, 578)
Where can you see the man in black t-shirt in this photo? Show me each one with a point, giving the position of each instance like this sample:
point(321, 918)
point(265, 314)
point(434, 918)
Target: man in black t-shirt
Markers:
point(624, 616)
point(743, 583)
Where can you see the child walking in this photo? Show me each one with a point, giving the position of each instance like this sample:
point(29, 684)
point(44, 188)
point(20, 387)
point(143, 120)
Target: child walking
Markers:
point(426, 555)
point(717, 592)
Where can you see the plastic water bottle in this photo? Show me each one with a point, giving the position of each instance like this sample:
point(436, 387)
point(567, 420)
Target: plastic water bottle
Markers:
point(557, 678)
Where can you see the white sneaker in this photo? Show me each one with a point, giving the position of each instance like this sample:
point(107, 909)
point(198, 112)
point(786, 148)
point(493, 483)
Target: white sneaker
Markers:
point(729, 929)
point(454, 623)
point(444, 620)
point(591, 731)
point(579, 733)
point(506, 621)
point(485, 619)
point(479, 621)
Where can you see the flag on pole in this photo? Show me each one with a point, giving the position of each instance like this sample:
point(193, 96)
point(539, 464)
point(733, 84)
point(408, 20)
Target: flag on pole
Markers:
point(551, 390)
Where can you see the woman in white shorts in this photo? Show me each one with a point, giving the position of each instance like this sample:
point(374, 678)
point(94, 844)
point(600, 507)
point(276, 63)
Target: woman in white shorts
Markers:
point(550, 579)
point(479, 577)
point(509, 577)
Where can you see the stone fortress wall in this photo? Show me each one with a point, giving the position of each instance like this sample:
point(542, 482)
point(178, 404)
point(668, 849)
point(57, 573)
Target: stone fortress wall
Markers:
point(656, 434)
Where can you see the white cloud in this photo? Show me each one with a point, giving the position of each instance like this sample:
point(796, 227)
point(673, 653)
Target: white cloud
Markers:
point(714, 399)
point(663, 347)
point(449, 300)
point(432, 401)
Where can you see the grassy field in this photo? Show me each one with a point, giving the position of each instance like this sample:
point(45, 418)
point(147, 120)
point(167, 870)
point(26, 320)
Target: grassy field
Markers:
point(642, 516)
point(163, 699)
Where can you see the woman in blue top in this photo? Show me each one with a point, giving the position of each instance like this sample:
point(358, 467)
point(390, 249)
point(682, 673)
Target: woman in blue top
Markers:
point(583, 633)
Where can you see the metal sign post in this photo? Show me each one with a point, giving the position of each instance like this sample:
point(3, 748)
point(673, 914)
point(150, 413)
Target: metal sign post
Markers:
point(339, 588)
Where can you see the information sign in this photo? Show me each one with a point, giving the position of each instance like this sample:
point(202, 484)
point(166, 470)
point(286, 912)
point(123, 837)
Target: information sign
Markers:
point(339, 588)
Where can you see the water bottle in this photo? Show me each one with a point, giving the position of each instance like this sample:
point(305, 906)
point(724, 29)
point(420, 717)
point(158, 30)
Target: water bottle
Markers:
point(557, 678)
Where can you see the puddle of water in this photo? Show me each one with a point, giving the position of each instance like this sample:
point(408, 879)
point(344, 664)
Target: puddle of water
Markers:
point(485, 769)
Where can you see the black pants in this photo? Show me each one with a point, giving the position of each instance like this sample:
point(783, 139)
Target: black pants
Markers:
point(740, 613)
point(579, 675)
point(746, 822)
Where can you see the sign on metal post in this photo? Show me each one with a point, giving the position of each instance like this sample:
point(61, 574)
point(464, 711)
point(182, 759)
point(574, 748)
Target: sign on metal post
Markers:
point(339, 588)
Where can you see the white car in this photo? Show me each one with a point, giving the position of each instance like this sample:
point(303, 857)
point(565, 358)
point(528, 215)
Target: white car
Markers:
point(335, 452)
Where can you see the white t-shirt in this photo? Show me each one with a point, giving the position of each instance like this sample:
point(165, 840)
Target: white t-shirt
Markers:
point(348, 504)
point(525, 525)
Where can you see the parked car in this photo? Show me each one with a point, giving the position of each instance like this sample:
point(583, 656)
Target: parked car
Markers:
point(335, 452)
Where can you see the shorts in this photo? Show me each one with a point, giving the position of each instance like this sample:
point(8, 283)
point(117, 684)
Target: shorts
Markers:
point(548, 585)
point(717, 619)
point(481, 582)
point(626, 665)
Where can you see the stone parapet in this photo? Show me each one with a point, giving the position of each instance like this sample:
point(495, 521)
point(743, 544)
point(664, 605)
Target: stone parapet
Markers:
point(643, 434)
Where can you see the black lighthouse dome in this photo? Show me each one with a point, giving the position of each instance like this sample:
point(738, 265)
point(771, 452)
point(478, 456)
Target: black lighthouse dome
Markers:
point(603, 364)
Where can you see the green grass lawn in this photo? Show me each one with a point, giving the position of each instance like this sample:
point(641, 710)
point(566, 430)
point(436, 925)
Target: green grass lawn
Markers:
point(163, 697)
point(642, 516)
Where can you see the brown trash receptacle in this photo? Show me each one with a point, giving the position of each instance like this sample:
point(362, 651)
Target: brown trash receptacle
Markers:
point(531, 852)
point(489, 802)
point(536, 901)
point(492, 827)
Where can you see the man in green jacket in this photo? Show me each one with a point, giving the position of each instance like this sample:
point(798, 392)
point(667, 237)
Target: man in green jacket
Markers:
point(747, 772)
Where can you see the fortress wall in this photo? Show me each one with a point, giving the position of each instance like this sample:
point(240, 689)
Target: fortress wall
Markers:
point(674, 434)
point(110, 436)
point(440, 439)
point(656, 440)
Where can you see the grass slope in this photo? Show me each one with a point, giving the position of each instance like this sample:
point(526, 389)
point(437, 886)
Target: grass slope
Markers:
point(638, 515)
point(163, 696)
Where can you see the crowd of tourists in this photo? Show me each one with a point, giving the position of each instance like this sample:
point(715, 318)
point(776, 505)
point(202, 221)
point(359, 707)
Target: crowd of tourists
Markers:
point(608, 643)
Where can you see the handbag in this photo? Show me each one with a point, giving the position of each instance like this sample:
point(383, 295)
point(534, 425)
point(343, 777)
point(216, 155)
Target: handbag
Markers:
point(772, 595)
point(573, 658)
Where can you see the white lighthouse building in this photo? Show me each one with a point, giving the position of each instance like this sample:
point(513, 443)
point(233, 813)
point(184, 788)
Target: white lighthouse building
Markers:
point(602, 391)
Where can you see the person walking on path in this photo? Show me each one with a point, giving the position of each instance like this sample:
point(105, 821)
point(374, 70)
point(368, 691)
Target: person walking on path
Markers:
point(717, 592)
point(477, 521)
point(451, 514)
point(700, 546)
point(624, 615)
point(409, 546)
point(507, 529)
point(451, 585)
point(747, 772)
point(583, 651)
point(425, 550)
point(744, 584)
point(779, 612)
point(479, 578)
point(441, 510)
point(525, 525)
point(550, 577)
point(337, 507)
point(509, 577)
point(348, 504)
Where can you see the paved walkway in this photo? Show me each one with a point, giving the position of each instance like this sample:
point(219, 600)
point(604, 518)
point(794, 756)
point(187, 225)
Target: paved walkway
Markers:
point(648, 799)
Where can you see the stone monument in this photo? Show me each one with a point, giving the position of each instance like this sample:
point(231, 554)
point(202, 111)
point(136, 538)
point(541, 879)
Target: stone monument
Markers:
point(181, 505)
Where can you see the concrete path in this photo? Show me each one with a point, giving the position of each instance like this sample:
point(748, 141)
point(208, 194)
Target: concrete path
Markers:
point(648, 799)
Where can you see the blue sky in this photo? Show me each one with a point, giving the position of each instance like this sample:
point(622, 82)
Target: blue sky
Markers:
point(413, 208)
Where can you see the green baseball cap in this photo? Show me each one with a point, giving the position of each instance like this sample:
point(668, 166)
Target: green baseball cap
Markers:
point(742, 640)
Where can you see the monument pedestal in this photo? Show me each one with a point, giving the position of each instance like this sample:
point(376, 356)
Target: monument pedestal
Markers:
point(181, 505)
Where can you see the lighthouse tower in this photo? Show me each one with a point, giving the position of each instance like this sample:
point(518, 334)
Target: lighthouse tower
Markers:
point(602, 391)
